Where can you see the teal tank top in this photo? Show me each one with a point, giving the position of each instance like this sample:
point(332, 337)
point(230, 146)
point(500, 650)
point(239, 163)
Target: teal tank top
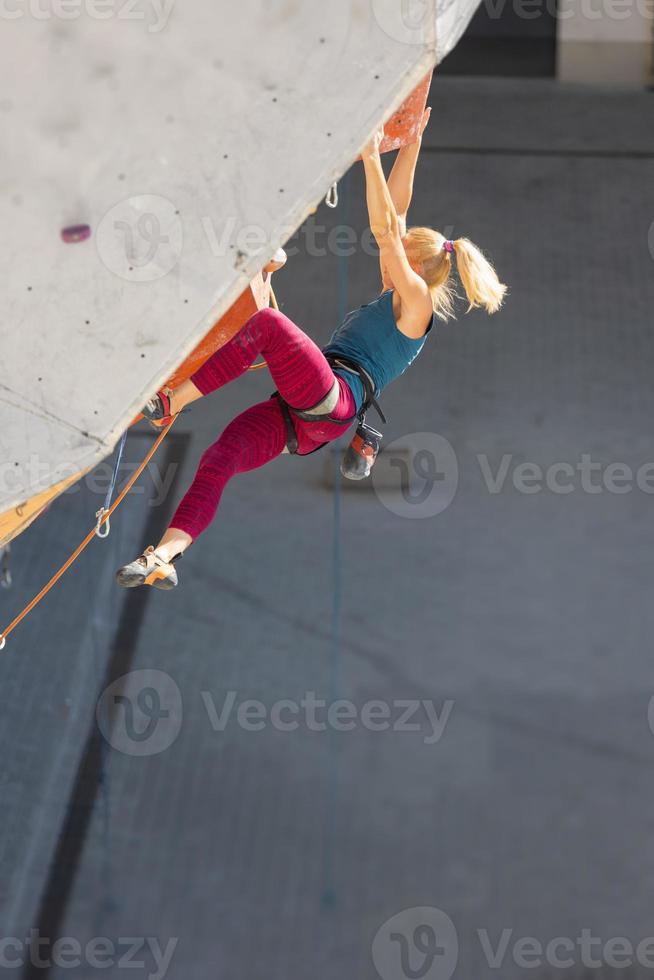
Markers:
point(370, 337)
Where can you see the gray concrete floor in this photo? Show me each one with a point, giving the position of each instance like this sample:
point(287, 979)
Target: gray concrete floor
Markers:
point(279, 855)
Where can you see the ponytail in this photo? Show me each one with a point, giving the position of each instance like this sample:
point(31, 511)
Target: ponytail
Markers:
point(433, 256)
point(478, 277)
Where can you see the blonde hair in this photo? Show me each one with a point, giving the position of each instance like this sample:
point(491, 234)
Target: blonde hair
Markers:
point(427, 249)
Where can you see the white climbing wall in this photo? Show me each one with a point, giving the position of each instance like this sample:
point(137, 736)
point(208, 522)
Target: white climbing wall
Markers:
point(193, 137)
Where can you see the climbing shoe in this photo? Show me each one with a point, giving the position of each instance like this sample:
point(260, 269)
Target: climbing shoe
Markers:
point(157, 410)
point(148, 569)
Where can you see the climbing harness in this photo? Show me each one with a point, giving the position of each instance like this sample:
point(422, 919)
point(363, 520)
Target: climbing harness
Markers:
point(309, 414)
point(370, 399)
point(87, 540)
point(103, 527)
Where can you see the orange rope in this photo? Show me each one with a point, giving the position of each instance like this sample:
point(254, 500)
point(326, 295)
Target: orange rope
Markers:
point(105, 517)
point(89, 537)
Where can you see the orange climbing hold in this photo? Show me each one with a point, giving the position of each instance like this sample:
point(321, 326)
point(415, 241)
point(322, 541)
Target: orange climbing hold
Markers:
point(404, 126)
point(258, 295)
point(255, 297)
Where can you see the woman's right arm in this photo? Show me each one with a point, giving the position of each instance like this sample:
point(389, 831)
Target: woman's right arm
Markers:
point(400, 182)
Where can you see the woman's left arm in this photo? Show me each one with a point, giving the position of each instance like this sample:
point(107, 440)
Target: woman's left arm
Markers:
point(385, 225)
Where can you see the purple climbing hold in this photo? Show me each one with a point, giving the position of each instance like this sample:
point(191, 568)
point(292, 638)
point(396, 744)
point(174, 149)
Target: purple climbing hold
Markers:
point(75, 233)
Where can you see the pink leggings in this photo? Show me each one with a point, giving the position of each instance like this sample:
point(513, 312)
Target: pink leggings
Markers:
point(303, 377)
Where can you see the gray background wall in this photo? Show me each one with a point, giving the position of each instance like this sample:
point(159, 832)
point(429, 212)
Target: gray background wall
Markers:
point(273, 854)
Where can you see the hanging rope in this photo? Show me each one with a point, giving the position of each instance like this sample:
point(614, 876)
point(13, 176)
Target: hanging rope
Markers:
point(103, 526)
point(329, 894)
point(87, 540)
point(100, 530)
point(102, 615)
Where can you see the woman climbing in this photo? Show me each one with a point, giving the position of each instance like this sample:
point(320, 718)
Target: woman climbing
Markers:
point(321, 392)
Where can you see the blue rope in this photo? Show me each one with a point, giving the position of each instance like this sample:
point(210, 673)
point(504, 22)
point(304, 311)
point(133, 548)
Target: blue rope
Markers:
point(103, 532)
point(103, 614)
point(335, 655)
